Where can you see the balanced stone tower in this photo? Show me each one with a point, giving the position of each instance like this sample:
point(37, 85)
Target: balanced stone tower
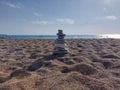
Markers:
point(60, 45)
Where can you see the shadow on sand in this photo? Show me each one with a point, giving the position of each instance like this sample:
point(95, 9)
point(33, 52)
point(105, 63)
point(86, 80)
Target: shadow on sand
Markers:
point(43, 61)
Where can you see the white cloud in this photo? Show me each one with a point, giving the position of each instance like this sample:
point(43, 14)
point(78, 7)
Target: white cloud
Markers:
point(113, 18)
point(107, 1)
point(110, 3)
point(66, 21)
point(37, 14)
point(11, 5)
point(40, 22)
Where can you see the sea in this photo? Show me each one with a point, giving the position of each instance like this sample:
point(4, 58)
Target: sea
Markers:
point(113, 36)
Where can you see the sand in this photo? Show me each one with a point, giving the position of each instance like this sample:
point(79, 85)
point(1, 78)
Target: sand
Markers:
point(91, 64)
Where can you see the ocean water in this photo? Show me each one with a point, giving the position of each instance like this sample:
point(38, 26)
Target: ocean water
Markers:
point(52, 36)
point(115, 36)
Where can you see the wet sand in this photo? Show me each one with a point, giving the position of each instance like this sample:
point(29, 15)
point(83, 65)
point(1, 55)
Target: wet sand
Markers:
point(91, 64)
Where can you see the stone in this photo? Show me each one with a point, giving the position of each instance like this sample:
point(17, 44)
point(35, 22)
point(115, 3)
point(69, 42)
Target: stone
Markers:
point(60, 45)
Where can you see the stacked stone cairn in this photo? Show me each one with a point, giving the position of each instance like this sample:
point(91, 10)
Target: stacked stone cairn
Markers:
point(60, 45)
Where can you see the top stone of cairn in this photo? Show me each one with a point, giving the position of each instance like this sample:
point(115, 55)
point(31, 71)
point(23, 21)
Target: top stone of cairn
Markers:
point(60, 35)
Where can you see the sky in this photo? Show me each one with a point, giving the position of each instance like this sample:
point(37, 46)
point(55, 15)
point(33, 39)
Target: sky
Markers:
point(45, 17)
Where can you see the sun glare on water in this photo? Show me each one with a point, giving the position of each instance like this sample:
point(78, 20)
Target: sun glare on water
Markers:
point(115, 36)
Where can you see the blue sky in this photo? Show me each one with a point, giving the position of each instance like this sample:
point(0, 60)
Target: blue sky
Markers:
point(40, 17)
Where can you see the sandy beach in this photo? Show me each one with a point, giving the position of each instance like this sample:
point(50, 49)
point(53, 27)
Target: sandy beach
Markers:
point(28, 64)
